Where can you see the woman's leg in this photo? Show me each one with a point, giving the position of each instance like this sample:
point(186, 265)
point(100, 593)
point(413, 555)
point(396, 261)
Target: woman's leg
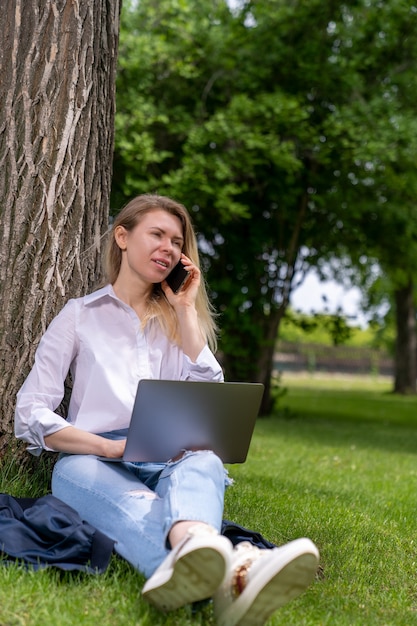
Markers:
point(192, 492)
point(191, 489)
point(111, 498)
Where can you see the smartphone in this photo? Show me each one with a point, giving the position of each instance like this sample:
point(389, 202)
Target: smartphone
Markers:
point(177, 277)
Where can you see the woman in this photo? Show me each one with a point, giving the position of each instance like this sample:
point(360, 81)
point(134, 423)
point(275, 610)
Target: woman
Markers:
point(165, 518)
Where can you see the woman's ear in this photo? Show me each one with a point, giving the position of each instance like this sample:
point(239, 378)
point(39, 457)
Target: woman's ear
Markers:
point(120, 236)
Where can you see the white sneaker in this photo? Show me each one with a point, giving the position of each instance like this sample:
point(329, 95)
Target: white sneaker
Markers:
point(260, 581)
point(192, 571)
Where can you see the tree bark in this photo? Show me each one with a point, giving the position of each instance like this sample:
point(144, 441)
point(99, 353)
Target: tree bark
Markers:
point(57, 99)
point(405, 346)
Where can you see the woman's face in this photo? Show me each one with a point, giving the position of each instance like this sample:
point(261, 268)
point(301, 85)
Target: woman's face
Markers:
point(152, 248)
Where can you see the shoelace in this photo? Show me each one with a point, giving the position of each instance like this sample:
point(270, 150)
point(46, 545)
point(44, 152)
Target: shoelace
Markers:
point(240, 575)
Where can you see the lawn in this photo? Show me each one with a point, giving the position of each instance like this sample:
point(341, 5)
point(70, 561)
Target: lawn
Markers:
point(337, 463)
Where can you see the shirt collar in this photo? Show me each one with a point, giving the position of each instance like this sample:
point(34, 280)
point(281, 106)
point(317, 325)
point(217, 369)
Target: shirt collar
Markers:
point(104, 292)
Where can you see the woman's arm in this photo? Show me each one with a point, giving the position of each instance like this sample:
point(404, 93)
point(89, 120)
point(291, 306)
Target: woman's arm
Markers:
point(43, 389)
point(35, 419)
point(76, 441)
point(192, 338)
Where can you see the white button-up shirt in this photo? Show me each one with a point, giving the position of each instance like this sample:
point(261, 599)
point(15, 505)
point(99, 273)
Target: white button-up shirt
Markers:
point(99, 339)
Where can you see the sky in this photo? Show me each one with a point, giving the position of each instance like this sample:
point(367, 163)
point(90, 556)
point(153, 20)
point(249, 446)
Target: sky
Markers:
point(308, 298)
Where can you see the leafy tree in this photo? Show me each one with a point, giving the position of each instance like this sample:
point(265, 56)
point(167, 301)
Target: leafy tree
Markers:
point(56, 138)
point(377, 176)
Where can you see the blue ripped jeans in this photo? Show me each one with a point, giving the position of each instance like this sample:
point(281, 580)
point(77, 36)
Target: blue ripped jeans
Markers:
point(137, 504)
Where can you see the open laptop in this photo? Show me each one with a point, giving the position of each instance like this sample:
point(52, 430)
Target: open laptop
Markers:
point(171, 416)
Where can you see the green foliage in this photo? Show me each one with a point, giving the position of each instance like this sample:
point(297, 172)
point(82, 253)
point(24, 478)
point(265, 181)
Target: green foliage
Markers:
point(289, 149)
point(334, 326)
point(324, 329)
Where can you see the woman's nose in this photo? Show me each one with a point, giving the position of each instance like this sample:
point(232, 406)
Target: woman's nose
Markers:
point(167, 244)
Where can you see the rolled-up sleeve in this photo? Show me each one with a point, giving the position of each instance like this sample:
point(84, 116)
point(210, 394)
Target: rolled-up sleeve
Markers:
point(43, 389)
point(206, 367)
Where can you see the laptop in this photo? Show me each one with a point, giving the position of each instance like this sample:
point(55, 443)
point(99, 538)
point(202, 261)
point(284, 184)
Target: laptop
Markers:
point(172, 416)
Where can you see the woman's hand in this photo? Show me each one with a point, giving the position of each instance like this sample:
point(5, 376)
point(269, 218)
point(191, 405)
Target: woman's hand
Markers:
point(114, 448)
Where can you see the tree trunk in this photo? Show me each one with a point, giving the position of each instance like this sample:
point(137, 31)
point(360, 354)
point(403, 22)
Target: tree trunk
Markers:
point(57, 94)
point(405, 346)
point(265, 364)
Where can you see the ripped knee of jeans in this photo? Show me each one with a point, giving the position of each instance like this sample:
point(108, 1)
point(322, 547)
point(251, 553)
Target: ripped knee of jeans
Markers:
point(145, 494)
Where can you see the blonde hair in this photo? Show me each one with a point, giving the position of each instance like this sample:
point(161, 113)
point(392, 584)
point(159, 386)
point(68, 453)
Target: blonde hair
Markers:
point(158, 306)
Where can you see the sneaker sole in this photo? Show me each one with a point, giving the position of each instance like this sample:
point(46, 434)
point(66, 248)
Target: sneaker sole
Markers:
point(196, 576)
point(260, 600)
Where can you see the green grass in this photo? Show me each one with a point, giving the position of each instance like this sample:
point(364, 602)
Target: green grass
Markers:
point(336, 463)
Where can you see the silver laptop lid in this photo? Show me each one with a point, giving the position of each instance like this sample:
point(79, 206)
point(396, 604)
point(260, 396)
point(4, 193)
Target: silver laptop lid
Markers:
point(171, 416)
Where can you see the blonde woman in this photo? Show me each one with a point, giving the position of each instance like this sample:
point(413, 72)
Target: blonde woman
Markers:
point(165, 518)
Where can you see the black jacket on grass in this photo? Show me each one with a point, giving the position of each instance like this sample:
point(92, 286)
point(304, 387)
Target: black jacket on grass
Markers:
point(43, 532)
